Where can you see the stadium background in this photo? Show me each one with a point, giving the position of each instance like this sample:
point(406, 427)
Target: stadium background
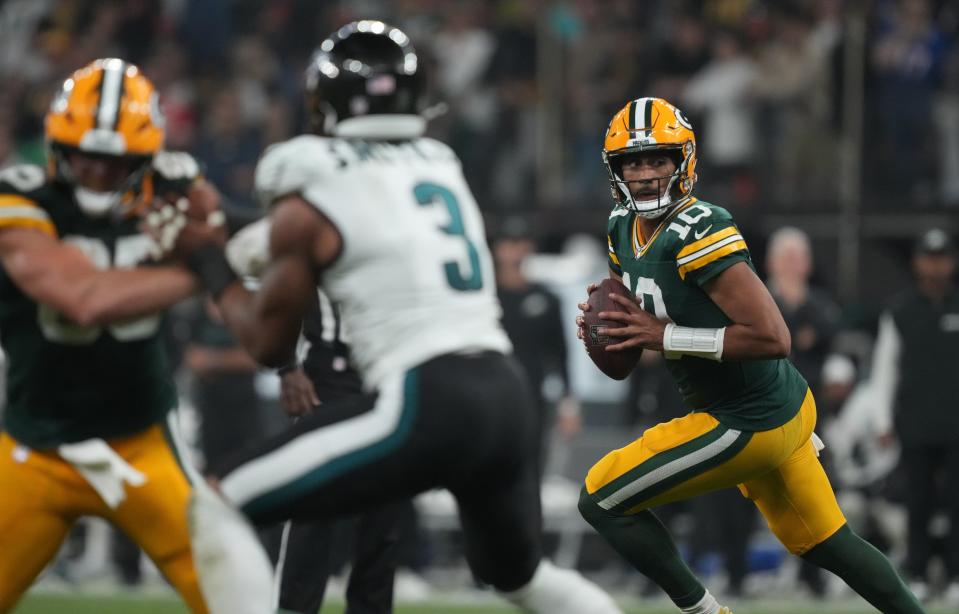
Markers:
point(809, 113)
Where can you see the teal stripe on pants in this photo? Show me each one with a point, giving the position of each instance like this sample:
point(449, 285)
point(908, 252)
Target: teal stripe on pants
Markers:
point(343, 464)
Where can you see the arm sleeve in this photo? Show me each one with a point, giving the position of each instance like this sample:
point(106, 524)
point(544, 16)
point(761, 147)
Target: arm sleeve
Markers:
point(884, 379)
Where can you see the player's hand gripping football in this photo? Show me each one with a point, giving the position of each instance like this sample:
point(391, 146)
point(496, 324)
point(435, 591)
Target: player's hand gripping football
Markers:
point(581, 319)
point(639, 329)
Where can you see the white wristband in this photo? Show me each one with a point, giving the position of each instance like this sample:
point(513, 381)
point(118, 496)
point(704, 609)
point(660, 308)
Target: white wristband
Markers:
point(701, 342)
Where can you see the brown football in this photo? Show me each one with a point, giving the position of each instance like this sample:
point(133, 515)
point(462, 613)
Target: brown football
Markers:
point(617, 365)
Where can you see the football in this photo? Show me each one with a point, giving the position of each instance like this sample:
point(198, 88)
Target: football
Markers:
point(617, 365)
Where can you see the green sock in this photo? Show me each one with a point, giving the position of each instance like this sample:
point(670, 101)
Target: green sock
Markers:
point(865, 570)
point(642, 540)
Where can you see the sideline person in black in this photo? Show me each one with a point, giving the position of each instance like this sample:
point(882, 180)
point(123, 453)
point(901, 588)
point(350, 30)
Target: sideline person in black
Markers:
point(533, 321)
point(916, 378)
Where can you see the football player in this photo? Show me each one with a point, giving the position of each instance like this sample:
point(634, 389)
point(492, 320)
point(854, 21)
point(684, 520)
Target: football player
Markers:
point(383, 218)
point(303, 551)
point(88, 424)
point(698, 300)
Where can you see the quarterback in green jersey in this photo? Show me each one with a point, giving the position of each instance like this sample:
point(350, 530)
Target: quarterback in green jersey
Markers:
point(89, 392)
point(697, 299)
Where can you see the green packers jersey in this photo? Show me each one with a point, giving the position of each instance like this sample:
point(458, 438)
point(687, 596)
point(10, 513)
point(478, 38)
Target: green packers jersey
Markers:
point(66, 382)
point(694, 244)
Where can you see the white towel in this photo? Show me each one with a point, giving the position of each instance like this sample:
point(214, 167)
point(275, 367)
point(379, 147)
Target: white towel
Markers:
point(817, 443)
point(102, 468)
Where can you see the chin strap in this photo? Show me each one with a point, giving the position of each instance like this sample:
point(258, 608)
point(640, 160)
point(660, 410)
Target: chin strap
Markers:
point(664, 205)
point(96, 204)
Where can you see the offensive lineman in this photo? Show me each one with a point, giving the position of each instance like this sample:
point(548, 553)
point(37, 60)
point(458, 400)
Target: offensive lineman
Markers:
point(699, 301)
point(88, 426)
point(385, 217)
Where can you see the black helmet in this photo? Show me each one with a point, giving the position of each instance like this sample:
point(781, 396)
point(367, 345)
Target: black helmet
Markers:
point(364, 80)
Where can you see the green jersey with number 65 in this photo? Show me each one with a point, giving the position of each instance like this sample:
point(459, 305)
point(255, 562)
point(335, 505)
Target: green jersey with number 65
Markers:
point(667, 271)
point(65, 382)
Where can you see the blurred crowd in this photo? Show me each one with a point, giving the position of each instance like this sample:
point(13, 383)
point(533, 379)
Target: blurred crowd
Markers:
point(523, 91)
point(528, 87)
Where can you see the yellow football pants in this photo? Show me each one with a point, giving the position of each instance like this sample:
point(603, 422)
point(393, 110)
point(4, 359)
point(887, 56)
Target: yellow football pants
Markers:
point(41, 496)
point(778, 469)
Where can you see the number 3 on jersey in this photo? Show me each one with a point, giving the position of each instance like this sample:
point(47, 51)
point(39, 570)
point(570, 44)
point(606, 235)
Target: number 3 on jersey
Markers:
point(429, 193)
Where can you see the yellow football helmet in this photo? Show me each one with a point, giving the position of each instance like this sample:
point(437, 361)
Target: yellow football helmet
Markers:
point(109, 109)
point(651, 124)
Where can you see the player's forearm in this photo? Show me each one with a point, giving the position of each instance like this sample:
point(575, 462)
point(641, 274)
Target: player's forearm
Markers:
point(758, 330)
point(270, 340)
point(744, 342)
point(121, 294)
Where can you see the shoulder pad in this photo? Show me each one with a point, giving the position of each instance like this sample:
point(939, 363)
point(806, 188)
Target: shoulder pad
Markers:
point(23, 179)
point(292, 166)
point(441, 149)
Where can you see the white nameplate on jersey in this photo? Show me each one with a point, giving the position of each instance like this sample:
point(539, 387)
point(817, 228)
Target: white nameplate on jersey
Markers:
point(949, 323)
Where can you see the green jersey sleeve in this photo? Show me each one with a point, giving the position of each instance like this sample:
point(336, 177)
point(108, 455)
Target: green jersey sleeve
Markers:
point(20, 202)
point(614, 238)
point(710, 243)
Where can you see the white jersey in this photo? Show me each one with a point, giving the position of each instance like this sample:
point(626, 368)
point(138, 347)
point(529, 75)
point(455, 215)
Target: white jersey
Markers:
point(415, 278)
